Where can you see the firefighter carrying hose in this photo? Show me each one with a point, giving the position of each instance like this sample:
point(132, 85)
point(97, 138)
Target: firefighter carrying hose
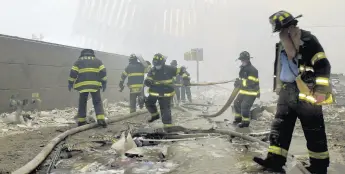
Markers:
point(185, 89)
point(135, 71)
point(160, 82)
point(88, 75)
point(248, 83)
point(303, 73)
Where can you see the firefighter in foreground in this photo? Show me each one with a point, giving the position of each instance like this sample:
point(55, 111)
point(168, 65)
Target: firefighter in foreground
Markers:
point(185, 89)
point(160, 82)
point(135, 71)
point(248, 83)
point(303, 73)
point(88, 75)
point(176, 80)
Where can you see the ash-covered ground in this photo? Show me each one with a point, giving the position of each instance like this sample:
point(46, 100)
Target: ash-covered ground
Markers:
point(210, 154)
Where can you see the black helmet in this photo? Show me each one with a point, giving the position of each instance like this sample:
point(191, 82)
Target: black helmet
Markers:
point(282, 19)
point(133, 57)
point(244, 55)
point(87, 52)
point(173, 63)
point(158, 59)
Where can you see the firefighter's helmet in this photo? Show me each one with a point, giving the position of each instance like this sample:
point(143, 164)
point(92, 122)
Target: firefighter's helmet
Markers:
point(158, 59)
point(244, 55)
point(87, 52)
point(282, 19)
point(173, 63)
point(133, 57)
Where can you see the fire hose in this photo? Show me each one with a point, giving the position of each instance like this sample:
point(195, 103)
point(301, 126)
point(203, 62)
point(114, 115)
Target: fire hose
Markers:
point(34, 163)
point(40, 157)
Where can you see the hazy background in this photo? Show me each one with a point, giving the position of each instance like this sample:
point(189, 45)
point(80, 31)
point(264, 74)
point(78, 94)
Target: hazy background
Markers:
point(223, 28)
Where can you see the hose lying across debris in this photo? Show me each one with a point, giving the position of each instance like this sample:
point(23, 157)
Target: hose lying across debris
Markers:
point(34, 163)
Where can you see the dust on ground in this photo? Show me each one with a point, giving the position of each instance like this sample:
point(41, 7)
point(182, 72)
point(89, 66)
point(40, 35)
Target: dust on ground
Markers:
point(33, 139)
point(16, 150)
point(20, 143)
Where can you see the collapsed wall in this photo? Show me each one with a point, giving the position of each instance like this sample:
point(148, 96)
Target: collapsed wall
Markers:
point(28, 67)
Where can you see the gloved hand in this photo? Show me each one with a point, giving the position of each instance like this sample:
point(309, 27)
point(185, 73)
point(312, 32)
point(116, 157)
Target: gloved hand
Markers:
point(238, 83)
point(121, 88)
point(70, 86)
point(104, 86)
point(148, 82)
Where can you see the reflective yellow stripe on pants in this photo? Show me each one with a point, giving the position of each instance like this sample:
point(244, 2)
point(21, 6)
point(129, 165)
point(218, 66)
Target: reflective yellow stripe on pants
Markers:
point(81, 119)
point(100, 117)
point(164, 95)
point(278, 151)
point(252, 93)
point(312, 100)
point(319, 155)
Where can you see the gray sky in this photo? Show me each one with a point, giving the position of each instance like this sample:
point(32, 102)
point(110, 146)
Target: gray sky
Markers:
point(229, 29)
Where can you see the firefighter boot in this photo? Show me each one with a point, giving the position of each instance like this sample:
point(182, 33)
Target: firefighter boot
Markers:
point(102, 123)
point(243, 124)
point(168, 128)
point(272, 163)
point(81, 123)
point(237, 120)
point(154, 117)
point(316, 170)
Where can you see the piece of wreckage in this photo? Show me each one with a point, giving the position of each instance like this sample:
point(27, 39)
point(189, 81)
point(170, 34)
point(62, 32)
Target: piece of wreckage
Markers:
point(20, 109)
point(338, 89)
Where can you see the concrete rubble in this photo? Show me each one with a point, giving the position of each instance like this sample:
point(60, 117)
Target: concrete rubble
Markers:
point(212, 154)
point(35, 120)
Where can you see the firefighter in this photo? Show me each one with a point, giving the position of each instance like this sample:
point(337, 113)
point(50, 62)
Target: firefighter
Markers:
point(160, 82)
point(185, 89)
point(248, 83)
point(303, 79)
point(135, 71)
point(176, 80)
point(88, 75)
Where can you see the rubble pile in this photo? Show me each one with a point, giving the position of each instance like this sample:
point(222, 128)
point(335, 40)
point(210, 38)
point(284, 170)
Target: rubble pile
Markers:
point(55, 118)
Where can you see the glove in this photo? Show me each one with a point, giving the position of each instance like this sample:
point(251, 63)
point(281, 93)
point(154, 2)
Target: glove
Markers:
point(148, 82)
point(121, 86)
point(104, 86)
point(238, 83)
point(70, 86)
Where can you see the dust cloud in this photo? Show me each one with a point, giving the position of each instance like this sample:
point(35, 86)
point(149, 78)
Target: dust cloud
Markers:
point(223, 28)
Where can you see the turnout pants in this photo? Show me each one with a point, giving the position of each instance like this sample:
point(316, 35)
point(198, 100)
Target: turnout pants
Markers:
point(165, 108)
point(97, 103)
point(185, 90)
point(242, 106)
point(135, 93)
point(289, 108)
